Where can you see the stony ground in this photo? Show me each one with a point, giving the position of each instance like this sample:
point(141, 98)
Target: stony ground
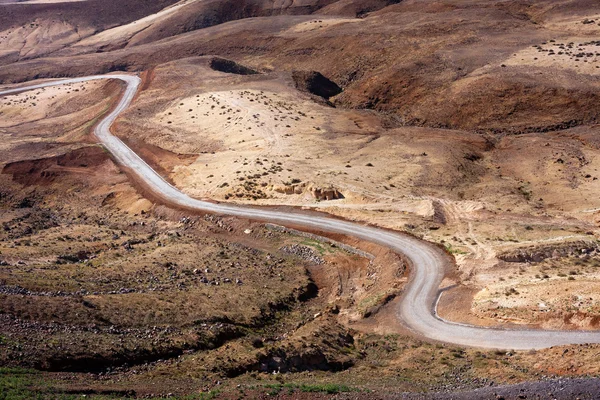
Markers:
point(469, 124)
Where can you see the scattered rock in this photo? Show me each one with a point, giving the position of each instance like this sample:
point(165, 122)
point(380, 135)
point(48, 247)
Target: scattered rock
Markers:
point(304, 252)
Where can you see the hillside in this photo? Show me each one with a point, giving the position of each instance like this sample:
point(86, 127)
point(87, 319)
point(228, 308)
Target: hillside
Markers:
point(472, 125)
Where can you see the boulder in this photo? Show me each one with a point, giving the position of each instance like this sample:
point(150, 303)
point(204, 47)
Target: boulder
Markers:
point(327, 193)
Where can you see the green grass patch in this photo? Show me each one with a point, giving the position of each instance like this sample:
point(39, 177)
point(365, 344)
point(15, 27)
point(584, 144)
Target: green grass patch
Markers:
point(453, 250)
point(27, 384)
point(16, 383)
point(320, 247)
point(329, 388)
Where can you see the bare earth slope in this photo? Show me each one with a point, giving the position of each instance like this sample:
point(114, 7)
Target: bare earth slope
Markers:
point(471, 124)
point(441, 53)
point(33, 30)
point(428, 262)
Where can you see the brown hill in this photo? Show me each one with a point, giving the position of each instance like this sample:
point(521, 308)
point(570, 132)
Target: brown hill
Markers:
point(33, 30)
point(439, 64)
point(471, 124)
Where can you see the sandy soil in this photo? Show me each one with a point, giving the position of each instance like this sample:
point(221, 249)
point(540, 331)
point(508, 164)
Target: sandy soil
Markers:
point(124, 33)
point(472, 125)
point(318, 24)
point(476, 202)
point(39, 37)
point(575, 53)
point(41, 104)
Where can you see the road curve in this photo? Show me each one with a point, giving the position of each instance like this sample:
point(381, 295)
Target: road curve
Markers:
point(417, 307)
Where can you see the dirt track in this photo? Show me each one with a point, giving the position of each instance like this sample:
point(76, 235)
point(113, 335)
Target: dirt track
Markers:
point(429, 262)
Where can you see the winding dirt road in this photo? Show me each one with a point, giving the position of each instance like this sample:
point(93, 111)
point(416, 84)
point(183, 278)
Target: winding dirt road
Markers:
point(417, 306)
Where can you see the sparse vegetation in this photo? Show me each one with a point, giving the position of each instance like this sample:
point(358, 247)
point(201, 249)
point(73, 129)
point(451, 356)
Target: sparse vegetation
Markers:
point(330, 388)
point(492, 153)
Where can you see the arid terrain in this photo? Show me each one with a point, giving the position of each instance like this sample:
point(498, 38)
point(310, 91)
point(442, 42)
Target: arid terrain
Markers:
point(469, 124)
